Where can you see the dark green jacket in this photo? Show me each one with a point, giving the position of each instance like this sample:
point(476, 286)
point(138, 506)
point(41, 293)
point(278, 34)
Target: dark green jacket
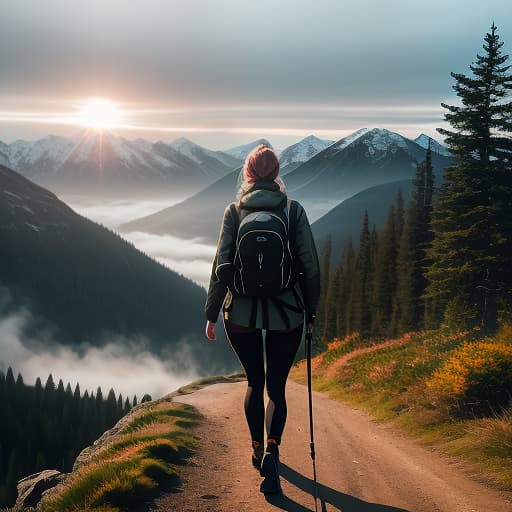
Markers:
point(303, 297)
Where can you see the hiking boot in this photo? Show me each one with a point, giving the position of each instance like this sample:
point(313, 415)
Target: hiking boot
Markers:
point(257, 454)
point(271, 483)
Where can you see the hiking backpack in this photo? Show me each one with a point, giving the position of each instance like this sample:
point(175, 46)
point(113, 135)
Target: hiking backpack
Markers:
point(264, 244)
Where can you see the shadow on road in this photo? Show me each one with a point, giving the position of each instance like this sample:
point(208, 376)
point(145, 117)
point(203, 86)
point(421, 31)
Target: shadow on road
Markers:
point(337, 499)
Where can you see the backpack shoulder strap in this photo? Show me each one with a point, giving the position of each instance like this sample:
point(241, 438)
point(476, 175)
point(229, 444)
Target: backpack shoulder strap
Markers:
point(292, 216)
point(235, 214)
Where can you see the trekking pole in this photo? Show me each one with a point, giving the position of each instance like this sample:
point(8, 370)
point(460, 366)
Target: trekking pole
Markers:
point(309, 336)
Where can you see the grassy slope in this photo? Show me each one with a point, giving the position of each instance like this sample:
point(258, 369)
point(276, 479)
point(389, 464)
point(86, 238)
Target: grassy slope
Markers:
point(388, 379)
point(142, 458)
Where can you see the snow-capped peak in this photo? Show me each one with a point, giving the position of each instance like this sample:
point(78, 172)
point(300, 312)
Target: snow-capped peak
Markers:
point(303, 150)
point(345, 141)
point(182, 141)
point(49, 148)
point(242, 151)
point(436, 146)
point(188, 148)
point(381, 139)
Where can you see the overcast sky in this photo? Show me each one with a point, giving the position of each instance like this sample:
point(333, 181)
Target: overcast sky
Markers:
point(224, 72)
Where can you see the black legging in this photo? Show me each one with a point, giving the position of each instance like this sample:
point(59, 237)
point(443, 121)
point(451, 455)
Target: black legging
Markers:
point(280, 349)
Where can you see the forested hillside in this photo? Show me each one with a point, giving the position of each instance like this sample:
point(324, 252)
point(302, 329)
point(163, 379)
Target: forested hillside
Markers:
point(89, 283)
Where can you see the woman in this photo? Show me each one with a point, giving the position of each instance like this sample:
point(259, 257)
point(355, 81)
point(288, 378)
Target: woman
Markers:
point(282, 317)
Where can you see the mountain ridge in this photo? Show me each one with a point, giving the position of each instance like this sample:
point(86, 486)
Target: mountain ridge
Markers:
point(198, 216)
point(102, 161)
point(119, 291)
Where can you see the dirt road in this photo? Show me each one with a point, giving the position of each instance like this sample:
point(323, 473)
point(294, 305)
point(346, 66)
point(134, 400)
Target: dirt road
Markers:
point(362, 466)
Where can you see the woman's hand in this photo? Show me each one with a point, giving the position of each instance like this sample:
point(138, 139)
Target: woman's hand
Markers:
point(310, 320)
point(210, 330)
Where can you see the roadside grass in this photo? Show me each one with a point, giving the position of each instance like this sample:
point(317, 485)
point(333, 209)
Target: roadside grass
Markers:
point(133, 468)
point(142, 459)
point(206, 381)
point(397, 381)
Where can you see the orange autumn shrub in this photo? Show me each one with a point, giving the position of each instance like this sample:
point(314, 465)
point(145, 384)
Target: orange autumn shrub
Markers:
point(476, 377)
point(504, 333)
point(337, 348)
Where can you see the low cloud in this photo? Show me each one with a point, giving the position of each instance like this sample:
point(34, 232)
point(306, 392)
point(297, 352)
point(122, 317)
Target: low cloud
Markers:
point(124, 364)
point(192, 258)
point(113, 212)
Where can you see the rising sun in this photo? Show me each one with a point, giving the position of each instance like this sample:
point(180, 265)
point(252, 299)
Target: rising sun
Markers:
point(100, 113)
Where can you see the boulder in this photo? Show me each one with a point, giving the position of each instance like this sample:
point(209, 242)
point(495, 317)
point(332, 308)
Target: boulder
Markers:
point(32, 487)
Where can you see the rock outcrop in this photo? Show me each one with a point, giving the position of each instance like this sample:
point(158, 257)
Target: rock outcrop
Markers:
point(33, 487)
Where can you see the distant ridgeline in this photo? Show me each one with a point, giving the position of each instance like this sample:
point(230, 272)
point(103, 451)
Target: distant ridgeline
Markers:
point(323, 176)
point(46, 427)
point(102, 163)
point(91, 284)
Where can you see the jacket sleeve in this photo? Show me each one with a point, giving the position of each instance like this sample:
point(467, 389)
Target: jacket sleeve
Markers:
point(309, 279)
point(222, 262)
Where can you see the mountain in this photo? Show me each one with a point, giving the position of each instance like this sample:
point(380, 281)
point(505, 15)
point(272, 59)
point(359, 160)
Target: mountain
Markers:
point(364, 159)
point(100, 161)
point(4, 150)
point(242, 151)
point(292, 156)
point(436, 146)
point(91, 284)
point(197, 216)
point(203, 156)
point(309, 173)
point(40, 158)
point(345, 220)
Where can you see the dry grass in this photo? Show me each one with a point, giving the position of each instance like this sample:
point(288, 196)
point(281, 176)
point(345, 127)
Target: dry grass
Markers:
point(388, 378)
point(143, 457)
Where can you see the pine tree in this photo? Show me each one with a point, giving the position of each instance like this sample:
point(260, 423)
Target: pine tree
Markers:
point(38, 389)
point(385, 277)
point(111, 407)
point(405, 304)
point(400, 212)
point(19, 381)
point(361, 289)
point(325, 271)
point(76, 393)
point(472, 218)
point(9, 379)
point(50, 384)
point(341, 299)
point(421, 235)
point(60, 388)
point(331, 305)
point(345, 320)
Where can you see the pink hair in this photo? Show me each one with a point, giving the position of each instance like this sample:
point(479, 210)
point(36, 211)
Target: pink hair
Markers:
point(261, 164)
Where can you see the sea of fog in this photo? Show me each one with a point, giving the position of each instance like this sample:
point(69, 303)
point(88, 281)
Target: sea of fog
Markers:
point(191, 258)
point(124, 364)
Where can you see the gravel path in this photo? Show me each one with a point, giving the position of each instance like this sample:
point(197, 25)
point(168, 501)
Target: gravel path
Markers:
point(362, 466)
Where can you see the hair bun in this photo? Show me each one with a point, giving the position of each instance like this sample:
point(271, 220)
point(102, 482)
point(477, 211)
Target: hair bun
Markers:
point(261, 164)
